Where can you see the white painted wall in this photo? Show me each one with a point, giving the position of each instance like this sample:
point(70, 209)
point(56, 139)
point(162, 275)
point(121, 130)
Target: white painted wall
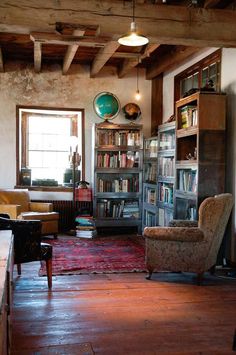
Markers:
point(228, 84)
point(19, 85)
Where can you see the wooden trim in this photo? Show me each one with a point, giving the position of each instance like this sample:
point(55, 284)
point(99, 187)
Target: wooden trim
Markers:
point(47, 108)
point(157, 103)
point(211, 58)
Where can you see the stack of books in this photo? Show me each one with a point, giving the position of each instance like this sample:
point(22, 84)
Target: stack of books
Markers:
point(85, 227)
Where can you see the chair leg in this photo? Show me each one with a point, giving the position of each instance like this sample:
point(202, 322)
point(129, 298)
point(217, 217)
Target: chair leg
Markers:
point(19, 269)
point(200, 278)
point(150, 271)
point(49, 272)
point(212, 270)
point(55, 236)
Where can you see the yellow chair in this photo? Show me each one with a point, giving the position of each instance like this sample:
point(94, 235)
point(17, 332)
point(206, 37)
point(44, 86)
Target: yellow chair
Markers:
point(17, 204)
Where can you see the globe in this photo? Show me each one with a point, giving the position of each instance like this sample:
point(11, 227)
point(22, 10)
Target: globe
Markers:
point(106, 105)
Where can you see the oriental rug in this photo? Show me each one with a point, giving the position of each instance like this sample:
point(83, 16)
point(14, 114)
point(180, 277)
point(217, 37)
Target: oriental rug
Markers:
point(73, 255)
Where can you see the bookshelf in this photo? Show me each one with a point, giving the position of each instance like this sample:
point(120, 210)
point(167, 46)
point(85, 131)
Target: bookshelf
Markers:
point(200, 151)
point(117, 181)
point(165, 173)
point(150, 192)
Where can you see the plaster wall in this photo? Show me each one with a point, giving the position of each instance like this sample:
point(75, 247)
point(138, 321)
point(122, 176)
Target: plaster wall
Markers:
point(20, 85)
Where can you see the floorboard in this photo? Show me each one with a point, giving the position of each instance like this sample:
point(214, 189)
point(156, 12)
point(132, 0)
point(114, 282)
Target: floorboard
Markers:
point(120, 314)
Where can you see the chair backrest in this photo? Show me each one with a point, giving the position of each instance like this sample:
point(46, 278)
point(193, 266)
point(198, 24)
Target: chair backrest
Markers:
point(27, 239)
point(15, 197)
point(214, 214)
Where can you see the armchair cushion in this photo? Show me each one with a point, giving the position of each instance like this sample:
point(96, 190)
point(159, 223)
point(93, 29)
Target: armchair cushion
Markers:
point(178, 234)
point(43, 216)
point(15, 197)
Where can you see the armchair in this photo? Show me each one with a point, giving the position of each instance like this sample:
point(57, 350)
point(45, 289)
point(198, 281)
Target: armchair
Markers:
point(27, 244)
point(17, 204)
point(187, 246)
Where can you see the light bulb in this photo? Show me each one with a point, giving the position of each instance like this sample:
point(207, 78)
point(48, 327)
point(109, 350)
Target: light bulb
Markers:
point(137, 95)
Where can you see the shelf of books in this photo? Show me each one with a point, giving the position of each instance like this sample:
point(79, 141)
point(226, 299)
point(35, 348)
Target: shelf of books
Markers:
point(166, 172)
point(117, 180)
point(149, 216)
point(200, 151)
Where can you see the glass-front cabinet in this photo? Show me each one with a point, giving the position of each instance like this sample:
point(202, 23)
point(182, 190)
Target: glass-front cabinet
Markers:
point(117, 180)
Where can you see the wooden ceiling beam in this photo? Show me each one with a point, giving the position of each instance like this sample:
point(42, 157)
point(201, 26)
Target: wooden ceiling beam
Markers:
point(170, 60)
point(103, 56)
point(1, 61)
point(128, 64)
point(67, 40)
point(37, 56)
point(70, 53)
point(162, 24)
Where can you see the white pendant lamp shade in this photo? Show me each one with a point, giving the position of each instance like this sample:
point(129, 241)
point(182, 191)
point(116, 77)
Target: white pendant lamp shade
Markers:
point(133, 39)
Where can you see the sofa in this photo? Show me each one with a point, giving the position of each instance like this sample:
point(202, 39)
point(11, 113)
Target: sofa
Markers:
point(16, 203)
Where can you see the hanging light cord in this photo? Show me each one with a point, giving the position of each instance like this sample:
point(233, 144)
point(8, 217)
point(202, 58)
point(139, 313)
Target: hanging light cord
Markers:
point(137, 78)
point(133, 10)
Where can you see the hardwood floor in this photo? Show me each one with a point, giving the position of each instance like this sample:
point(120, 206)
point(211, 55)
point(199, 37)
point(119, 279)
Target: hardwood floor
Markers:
point(124, 314)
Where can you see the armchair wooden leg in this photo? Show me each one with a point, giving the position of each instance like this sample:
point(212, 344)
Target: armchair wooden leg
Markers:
point(150, 271)
point(200, 278)
point(49, 272)
point(19, 269)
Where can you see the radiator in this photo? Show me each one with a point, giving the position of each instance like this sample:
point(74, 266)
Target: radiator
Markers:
point(67, 213)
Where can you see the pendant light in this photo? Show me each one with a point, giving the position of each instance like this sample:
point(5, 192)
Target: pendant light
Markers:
point(133, 38)
point(137, 93)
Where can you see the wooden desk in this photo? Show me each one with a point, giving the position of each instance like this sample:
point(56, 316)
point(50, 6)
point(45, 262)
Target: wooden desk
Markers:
point(6, 272)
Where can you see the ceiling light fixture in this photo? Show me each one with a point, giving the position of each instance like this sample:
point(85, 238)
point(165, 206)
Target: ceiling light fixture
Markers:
point(133, 38)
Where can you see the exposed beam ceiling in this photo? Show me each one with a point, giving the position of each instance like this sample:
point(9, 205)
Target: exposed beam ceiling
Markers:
point(71, 51)
point(128, 64)
point(103, 56)
point(170, 60)
point(163, 24)
point(37, 56)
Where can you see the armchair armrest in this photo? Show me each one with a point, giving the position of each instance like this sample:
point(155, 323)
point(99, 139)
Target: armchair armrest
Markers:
point(182, 223)
point(12, 210)
point(177, 234)
point(40, 207)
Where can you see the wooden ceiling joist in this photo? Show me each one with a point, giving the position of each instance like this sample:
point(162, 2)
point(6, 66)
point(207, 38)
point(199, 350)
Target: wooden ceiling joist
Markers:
point(128, 64)
point(162, 24)
point(170, 60)
point(103, 56)
point(71, 51)
point(67, 40)
point(37, 56)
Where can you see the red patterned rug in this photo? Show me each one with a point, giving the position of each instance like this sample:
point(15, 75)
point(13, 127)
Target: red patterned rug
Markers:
point(100, 255)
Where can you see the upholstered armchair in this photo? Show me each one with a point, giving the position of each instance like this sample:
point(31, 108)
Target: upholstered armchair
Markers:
point(17, 204)
point(189, 246)
point(27, 244)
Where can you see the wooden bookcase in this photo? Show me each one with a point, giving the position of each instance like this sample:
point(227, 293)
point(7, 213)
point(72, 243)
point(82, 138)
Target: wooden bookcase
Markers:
point(117, 181)
point(149, 216)
point(200, 151)
point(166, 172)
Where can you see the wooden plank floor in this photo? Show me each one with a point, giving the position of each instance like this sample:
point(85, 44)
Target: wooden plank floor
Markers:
point(122, 314)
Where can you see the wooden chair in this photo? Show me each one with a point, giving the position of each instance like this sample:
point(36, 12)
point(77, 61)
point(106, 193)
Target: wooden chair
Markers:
point(27, 244)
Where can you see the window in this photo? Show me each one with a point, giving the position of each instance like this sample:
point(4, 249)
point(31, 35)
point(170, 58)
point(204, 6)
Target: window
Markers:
point(198, 75)
point(47, 139)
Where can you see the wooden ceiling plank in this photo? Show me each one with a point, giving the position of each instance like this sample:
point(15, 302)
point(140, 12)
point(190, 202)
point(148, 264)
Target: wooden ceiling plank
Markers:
point(102, 57)
point(170, 60)
point(37, 56)
point(71, 51)
point(162, 24)
point(128, 64)
point(1, 61)
point(54, 38)
point(124, 55)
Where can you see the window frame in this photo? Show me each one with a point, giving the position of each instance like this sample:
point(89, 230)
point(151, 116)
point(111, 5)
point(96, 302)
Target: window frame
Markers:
point(197, 67)
point(22, 130)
